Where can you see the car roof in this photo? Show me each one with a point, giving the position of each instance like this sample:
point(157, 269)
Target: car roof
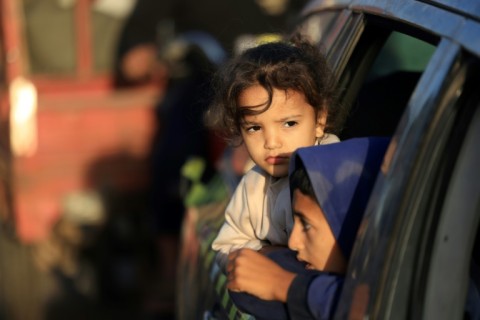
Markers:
point(457, 20)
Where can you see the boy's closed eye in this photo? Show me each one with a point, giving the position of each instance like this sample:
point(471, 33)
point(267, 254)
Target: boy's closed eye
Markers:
point(306, 225)
point(300, 218)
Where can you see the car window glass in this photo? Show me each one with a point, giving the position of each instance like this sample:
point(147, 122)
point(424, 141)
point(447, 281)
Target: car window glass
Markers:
point(52, 37)
point(317, 26)
point(385, 84)
point(425, 228)
point(401, 52)
point(105, 31)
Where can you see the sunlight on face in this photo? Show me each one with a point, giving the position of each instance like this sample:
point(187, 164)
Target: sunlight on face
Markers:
point(272, 136)
point(312, 237)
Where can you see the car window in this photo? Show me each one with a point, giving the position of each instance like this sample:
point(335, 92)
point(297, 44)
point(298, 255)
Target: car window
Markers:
point(105, 31)
point(410, 200)
point(55, 29)
point(377, 82)
point(431, 138)
point(50, 36)
point(320, 27)
point(377, 64)
point(386, 86)
point(403, 53)
point(379, 73)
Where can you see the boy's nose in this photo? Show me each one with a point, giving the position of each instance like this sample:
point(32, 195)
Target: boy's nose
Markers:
point(293, 242)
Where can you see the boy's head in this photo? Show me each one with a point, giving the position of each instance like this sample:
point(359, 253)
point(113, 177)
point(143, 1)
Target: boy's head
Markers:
point(311, 236)
point(330, 187)
point(295, 66)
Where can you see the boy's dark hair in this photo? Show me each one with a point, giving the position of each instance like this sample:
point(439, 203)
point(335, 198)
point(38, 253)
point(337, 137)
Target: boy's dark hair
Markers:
point(299, 180)
point(296, 65)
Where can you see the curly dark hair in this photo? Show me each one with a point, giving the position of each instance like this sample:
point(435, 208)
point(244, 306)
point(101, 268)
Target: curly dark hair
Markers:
point(285, 65)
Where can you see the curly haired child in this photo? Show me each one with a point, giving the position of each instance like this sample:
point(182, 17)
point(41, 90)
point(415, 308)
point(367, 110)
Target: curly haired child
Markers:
point(274, 98)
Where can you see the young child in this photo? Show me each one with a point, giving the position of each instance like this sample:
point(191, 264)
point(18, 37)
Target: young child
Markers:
point(330, 189)
point(275, 98)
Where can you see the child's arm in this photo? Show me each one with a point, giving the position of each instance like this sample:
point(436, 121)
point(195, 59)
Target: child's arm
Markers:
point(241, 229)
point(251, 272)
point(308, 294)
point(314, 296)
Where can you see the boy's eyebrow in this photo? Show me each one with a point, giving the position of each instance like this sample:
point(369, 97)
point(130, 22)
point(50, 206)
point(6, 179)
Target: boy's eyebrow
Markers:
point(298, 214)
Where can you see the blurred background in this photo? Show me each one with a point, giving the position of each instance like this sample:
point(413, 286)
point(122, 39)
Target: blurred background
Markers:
point(100, 107)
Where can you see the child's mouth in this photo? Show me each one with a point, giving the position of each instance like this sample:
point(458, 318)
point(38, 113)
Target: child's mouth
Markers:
point(277, 160)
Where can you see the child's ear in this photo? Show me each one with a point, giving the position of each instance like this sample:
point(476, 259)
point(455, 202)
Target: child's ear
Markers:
point(321, 123)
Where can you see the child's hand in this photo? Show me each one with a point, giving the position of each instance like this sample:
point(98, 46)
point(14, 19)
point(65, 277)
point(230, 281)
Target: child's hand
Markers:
point(251, 272)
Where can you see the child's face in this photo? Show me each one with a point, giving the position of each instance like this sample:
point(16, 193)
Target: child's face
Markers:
point(312, 237)
point(272, 136)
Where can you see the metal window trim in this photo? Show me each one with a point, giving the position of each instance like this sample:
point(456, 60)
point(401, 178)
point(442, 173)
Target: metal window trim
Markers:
point(412, 138)
point(456, 231)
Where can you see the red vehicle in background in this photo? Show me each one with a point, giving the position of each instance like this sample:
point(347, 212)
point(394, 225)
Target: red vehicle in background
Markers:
point(71, 143)
point(60, 113)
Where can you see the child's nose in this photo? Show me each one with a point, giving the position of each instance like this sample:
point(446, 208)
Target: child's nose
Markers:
point(272, 140)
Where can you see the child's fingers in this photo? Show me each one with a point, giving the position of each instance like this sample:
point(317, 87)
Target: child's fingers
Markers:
point(249, 271)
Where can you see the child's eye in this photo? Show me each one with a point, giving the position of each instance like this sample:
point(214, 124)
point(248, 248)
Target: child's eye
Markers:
point(289, 124)
point(252, 128)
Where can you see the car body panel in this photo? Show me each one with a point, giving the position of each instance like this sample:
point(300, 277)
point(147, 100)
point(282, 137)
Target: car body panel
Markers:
point(453, 240)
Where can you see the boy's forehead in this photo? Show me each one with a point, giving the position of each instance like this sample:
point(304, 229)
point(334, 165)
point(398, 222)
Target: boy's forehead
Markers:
point(303, 205)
